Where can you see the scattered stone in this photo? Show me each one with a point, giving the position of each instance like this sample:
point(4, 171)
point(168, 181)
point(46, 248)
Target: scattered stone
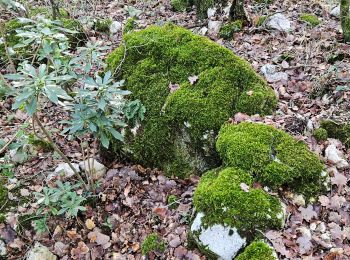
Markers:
point(214, 26)
point(64, 170)
point(335, 11)
point(279, 22)
point(98, 170)
point(115, 27)
point(40, 252)
point(3, 250)
point(174, 240)
point(299, 200)
point(211, 12)
point(269, 71)
point(335, 156)
point(223, 241)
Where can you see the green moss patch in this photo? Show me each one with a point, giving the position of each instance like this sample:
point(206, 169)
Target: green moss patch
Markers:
point(337, 130)
point(227, 197)
point(271, 156)
point(183, 118)
point(226, 31)
point(320, 134)
point(179, 5)
point(257, 250)
point(102, 25)
point(310, 19)
point(152, 243)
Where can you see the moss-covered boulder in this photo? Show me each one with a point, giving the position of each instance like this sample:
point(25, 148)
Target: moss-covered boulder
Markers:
point(231, 211)
point(190, 86)
point(272, 156)
point(337, 130)
point(11, 38)
point(258, 250)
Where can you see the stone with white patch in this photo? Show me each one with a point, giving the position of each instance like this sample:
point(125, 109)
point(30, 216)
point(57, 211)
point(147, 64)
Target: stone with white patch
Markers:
point(40, 252)
point(279, 22)
point(271, 75)
point(223, 241)
point(115, 27)
point(335, 156)
point(94, 168)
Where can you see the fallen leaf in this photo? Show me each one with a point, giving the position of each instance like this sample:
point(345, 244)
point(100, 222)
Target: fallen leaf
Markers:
point(90, 224)
point(173, 87)
point(24, 192)
point(308, 213)
point(193, 79)
point(160, 211)
point(339, 179)
point(244, 187)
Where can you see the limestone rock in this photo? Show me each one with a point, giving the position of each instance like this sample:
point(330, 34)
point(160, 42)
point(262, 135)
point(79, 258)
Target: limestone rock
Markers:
point(335, 156)
point(115, 27)
point(64, 170)
point(214, 26)
point(271, 75)
point(3, 250)
point(40, 252)
point(98, 170)
point(219, 240)
point(279, 22)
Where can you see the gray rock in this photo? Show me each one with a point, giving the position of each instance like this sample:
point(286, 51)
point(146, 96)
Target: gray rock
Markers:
point(214, 26)
point(335, 156)
point(211, 12)
point(279, 22)
point(40, 252)
point(65, 171)
point(336, 11)
point(98, 170)
point(115, 27)
point(222, 241)
point(271, 75)
point(3, 250)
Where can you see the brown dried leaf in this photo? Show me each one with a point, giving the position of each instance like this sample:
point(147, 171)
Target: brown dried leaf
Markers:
point(308, 213)
point(90, 224)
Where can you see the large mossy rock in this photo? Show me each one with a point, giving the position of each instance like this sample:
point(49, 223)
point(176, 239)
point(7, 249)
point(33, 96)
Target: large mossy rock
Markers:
point(272, 156)
point(231, 211)
point(183, 119)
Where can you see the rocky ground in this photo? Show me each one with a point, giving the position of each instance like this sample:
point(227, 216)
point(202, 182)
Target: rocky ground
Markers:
point(309, 68)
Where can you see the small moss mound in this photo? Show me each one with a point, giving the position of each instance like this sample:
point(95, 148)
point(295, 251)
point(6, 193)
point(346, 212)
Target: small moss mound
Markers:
point(337, 130)
point(320, 134)
point(129, 25)
point(102, 25)
point(310, 19)
point(227, 197)
point(183, 118)
point(257, 250)
point(226, 31)
point(179, 5)
point(152, 243)
point(271, 156)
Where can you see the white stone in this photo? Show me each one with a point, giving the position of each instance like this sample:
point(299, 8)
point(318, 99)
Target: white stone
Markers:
point(40, 252)
point(203, 31)
point(3, 250)
point(299, 200)
point(336, 11)
point(271, 75)
point(335, 156)
point(214, 26)
point(115, 27)
point(279, 22)
point(211, 12)
point(65, 170)
point(98, 170)
point(223, 241)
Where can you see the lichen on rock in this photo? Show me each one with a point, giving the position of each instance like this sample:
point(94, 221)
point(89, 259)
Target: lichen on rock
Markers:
point(272, 156)
point(182, 118)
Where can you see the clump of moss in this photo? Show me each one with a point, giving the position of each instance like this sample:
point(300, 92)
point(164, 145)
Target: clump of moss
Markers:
point(226, 31)
point(181, 122)
point(337, 130)
point(129, 25)
point(152, 243)
point(310, 19)
point(102, 25)
point(320, 134)
point(257, 250)
point(272, 156)
point(47, 12)
point(261, 20)
point(179, 5)
point(172, 201)
point(223, 200)
point(203, 5)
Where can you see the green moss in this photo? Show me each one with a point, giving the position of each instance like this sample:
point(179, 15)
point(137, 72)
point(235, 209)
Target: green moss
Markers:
point(337, 130)
point(272, 156)
point(257, 250)
point(152, 243)
point(261, 20)
point(47, 12)
point(3, 197)
point(310, 19)
point(180, 127)
point(226, 31)
point(203, 5)
point(345, 19)
point(102, 25)
point(130, 25)
point(320, 134)
point(179, 5)
point(221, 198)
point(172, 201)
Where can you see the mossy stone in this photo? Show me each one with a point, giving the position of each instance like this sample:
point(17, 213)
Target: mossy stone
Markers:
point(310, 19)
point(320, 134)
point(223, 200)
point(179, 5)
point(271, 156)
point(183, 119)
point(337, 130)
point(258, 250)
point(226, 31)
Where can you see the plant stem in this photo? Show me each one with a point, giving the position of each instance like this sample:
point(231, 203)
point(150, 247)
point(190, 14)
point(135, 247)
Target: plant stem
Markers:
point(55, 147)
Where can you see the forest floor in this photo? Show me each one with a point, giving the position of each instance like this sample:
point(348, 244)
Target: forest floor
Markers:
point(132, 200)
